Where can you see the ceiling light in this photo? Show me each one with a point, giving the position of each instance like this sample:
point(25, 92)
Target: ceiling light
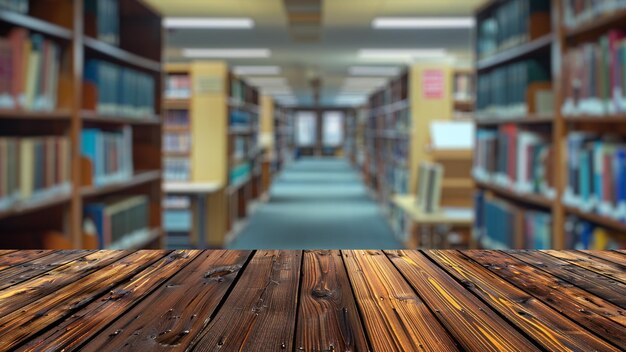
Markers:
point(267, 80)
point(422, 22)
point(401, 53)
point(374, 71)
point(226, 53)
point(208, 22)
point(256, 70)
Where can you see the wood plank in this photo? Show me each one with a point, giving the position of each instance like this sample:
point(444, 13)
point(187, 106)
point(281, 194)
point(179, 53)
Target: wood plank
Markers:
point(173, 314)
point(17, 327)
point(18, 296)
point(613, 256)
point(38, 266)
point(553, 331)
point(607, 268)
point(90, 320)
point(260, 313)
point(395, 318)
point(11, 258)
point(472, 323)
point(595, 314)
point(600, 285)
point(6, 251)
point(328, 318)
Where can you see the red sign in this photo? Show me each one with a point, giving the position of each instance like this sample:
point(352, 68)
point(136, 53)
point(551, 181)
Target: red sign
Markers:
point(433, 84)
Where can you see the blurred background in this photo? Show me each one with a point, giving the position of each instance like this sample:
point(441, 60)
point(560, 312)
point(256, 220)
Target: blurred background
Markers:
point(311, 124)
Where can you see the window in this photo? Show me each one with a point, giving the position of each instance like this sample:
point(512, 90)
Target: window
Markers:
point(333, 129)
point(306, 129)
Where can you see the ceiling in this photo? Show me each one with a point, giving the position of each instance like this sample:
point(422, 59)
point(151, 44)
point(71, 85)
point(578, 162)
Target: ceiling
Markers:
point(345, 28)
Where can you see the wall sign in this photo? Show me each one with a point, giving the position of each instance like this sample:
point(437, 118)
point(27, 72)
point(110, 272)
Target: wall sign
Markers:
point(433, 84)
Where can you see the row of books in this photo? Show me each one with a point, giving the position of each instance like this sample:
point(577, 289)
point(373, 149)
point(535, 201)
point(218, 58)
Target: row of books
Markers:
point(582, 235)
point(110, 154)
point(105, 15)
point(594, 76)
point(33, 168)
point(515, 159)
point(20, 6)
point(121, 90)
point(596, 169)
point(176, 169)
point(176, 118)
point(239, 173)
point(176, 142)
point(499, 224)
point(29, 71)
point(238, 90)
point(579, 12)
point(510, 25)
point(503, 92)
point(429, 184)
point(240, 118)
point(178, 87)
point(463, 87)
point(118, 221)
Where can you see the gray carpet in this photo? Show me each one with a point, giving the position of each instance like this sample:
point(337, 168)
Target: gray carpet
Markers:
point(317, 204)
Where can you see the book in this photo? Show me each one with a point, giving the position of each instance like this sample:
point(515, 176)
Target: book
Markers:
point(176, 118)
point(33, 168)
point(596, 170)
point(430, 178)
point(110, 154)
point(502, 225)
point(120, 90)
point(104, 18)
point(176, 169)
point(577, 13)
point(119, 221)
point(177, 142)
point(583, 235)
point(594, 76)
point(20, 6)
point(177, 86)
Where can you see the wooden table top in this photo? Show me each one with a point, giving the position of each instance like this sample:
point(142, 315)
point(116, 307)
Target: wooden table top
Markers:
point(313, 300)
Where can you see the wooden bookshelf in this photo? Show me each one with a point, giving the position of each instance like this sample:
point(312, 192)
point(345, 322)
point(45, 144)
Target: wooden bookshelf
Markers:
point(557, 124)
point(398, 118)
point(64, 22)
point(276, 139)
point(213, 156)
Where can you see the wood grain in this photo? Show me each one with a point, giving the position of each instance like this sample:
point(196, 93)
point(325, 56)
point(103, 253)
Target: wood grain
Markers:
point(260, 312)
point(551, 330)
point(474, 325)
point(20, 325)
point(395, 318)
point(30, 267)
point(328, 318)
point(84, 324)
point(613, 256)
point(10, 258)
point(18, 296)
point(584, 260)
point(173, 314)
point(600, 285)
point(597, 315)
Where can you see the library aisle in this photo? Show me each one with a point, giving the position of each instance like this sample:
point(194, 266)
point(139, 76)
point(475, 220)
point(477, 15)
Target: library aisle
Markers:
point(317, 203)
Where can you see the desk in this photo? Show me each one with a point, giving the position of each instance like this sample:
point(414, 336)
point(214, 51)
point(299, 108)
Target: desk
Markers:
point(199, 191)
point(312, 301)
point(446, 217)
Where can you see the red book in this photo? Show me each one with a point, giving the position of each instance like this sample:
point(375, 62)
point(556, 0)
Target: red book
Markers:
point(19, 43)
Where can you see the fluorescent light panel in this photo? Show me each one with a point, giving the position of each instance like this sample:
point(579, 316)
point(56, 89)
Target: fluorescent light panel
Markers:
point(256, 70)
point(422, 22)
point(234, 53)
point(208, 22)
point(401, 53)
point(374, 71)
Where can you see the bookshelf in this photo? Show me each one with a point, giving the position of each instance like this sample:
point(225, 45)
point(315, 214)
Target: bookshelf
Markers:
point(565, 118)
point(215, 117)
point(396, 134)
point(276, 139)
point(68, 44)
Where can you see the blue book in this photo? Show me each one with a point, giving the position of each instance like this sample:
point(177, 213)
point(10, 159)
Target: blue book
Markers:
point(89, 148)
point(619, 178)
point(598, 168)
point(96, 212)
point(585, 176)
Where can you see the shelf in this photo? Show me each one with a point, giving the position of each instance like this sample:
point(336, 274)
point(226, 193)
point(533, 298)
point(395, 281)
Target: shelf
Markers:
point(596, 119)
point(241, 130)
point(390, 108)
point(139, 178)
point(170, 128)
point(234, 103)
point(92, 116)
point(597, 219)
point(598, 25)
point(121, 55)
point(20, 20)
point(140, 241)
point(522, 120)
point(59, 115)
point(176, 153)
point(236, 186)
point(520, 51)
point(532, 199)
point(25, 207)
point(177, 104)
